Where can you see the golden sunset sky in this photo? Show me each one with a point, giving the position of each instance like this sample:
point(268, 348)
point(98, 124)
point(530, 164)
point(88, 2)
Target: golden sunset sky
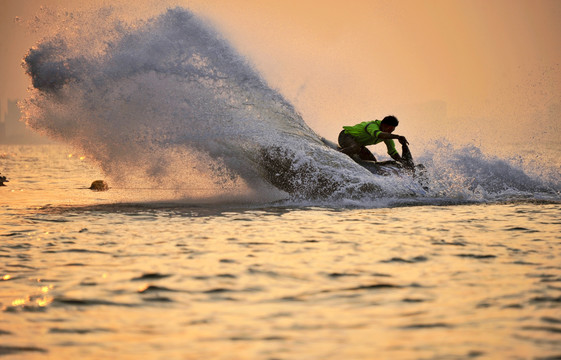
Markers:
point(342, 62)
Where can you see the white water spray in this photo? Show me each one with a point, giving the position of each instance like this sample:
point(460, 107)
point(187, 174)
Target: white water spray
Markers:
point(168, 103)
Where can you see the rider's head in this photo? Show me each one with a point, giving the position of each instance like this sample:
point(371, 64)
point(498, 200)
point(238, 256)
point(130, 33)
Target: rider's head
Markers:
point(389, 123)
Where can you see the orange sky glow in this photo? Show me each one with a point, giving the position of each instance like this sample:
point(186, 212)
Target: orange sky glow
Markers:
point(343, 62)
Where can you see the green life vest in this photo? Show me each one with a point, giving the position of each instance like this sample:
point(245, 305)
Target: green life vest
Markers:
point(366, 133)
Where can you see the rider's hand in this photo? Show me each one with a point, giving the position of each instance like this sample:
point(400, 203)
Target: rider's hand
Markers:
point(402, 140)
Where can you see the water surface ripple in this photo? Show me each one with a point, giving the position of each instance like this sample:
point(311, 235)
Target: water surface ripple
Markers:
point(282, 282)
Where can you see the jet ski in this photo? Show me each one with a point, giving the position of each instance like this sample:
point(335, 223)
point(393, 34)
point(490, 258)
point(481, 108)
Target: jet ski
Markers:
point(385, 168)
point(308, 181)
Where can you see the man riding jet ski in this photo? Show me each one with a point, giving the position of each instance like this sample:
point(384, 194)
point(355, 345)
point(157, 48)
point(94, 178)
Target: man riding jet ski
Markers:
point(354, 139)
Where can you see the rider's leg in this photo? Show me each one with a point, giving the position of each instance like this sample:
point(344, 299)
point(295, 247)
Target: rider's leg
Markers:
point(365, 154)
point(348, 144)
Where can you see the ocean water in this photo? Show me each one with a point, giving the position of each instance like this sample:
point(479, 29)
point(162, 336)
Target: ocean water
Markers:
point(92, 275)
point(231, 232)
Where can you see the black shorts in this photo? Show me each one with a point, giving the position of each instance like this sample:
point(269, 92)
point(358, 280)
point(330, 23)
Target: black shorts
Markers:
point(346, 140)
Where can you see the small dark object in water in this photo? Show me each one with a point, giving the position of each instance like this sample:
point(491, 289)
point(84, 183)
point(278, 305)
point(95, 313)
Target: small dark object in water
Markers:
point(99, 185)
point(3, 180)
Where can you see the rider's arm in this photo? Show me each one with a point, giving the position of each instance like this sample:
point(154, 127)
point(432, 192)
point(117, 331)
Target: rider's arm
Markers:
point(391, 150)
point(401, 139)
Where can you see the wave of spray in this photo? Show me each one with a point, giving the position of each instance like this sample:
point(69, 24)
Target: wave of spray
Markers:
point(169, 103)
point(467, 173)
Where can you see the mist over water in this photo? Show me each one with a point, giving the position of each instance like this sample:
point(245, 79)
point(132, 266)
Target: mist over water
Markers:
point(168, 103)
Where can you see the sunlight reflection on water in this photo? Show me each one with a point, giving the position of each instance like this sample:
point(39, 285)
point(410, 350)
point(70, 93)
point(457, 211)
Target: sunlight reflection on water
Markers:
point(82, 278)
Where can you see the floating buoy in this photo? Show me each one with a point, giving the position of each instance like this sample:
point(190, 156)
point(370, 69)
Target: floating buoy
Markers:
point(99, 185)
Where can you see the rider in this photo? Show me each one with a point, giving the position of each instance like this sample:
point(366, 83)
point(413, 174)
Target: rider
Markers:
point(354, 139)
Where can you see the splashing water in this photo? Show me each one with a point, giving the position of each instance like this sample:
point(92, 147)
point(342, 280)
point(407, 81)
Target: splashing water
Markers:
point(467, 173)
point(168, 103)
